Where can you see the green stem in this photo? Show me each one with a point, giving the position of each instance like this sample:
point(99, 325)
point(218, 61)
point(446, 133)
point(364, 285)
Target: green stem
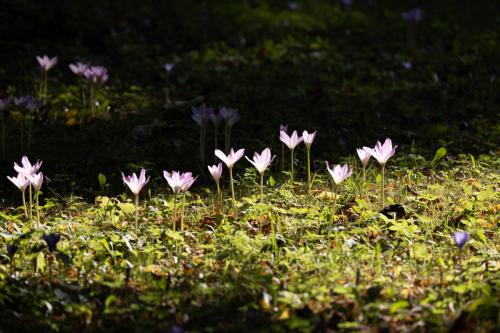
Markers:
point(383, 185)
point(136, 200)
point(182, 211)
point(282, 157)
point(219, 195)
point(262, 187)
point(24, 204)
point(232, 187)
point(175, 211)
point(291, 165)
point(215, 137)
point(334, 203)
point(365, 194)
point(92, 100)
point(309, 185)
point(37, 194)
point(31, 204)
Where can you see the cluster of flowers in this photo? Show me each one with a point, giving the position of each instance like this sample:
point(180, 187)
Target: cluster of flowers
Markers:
point(413, 15)
point(93, 74)
point(27, 102)
point(28, 176)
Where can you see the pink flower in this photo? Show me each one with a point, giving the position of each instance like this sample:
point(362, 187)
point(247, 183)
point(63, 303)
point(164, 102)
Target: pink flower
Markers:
point(27, 169)
point(179, 182)
point(169, 67)
point(96, 74)
point(308, 138)
point(291, 141)
point(36, 180)
point(20, 181)
point(382, 152)
point(79, 68)
point(134, 183)
point(46, 63)
point(339, 173)
point(363, 155)
point(231, 159)
point(262, 161)
point(216, 171)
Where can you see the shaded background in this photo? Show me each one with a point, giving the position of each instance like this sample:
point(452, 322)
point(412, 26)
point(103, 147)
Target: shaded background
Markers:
point(315, 65)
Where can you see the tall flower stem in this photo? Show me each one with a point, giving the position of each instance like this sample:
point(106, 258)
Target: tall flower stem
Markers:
point(215, 137)
point(175, 212)
point(232, 187)
point(45, 79)
point(334, 203)
point(31, 204)
point(202, 144)
point(24, 204)
point(3, 134)
point(37, 194)
point(182, 211)
point(219, 196)
point(262, 187)
point(282, 157)
point(291, 164)
point(383, 185)
point(136, 200)
point(364, 183)
point(92, 100)
point(308, 150)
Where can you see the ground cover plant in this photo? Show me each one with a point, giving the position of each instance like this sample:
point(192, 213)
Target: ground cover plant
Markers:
point(215, 166)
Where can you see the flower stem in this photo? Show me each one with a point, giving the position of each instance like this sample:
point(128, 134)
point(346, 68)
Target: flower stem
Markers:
point(24, 204)
point(365, 194)
point(219, 196)
point(136, 199)
point(308, 169)
point(262, 187)
point(182, 211)
point(334, 203)
point(175, 211)
point(92, 100)
point(282, 157)
point(291, 165)
point(232, 187)
point(31, 204)
point(383, 185)
point(37, 194)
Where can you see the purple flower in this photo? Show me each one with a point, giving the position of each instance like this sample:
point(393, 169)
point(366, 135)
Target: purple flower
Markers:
point(382, 152)
point(27, 169)
point(202, 114)
point(20, 181)
point(262, 161)
point(46, 63)
point(168, 67)
point(179, 181)
point(31, 103)
point(346, 3)
point(230, 116)
point(96, 74)
point(293, 6)
point(4, 102)
point(339, 173)
point(308, 138)
point(79, 68)
point(134, 183)
point(52, 240)
point(406, 64)
point(291, 141)
point(461, 238)
point(413, 15)
point(215, 171)
point(36, 180)
point(364, 156)
point(230, 159)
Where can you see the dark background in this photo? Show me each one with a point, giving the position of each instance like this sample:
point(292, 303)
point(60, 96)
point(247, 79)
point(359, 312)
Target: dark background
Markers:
point(322, 66)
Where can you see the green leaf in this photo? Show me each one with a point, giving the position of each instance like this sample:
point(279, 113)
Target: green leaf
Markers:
point(127, 207)
point(440, 153)
point(399, 305)
point(102, 180)
point(40, 262)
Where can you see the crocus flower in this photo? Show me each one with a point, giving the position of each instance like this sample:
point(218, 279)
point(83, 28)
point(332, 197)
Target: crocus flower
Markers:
point(201, 114)
point(291, 142)
point(215, 171)
point(413, 15)
point(261, 161)
point(46, 63)
point(134, 183)
point(364, 156)
point(20, 181)
point(79, 68)
point(293, 6)
point(11, 250)
point(406, 64)
point(230, 160)
point(20, 100)
point(461, 238)
point(96, 74)
point(27, 169)
point(230, 116)
point(179, 182)
point(308, 138)
point(168, 67)
point(382, 152)
point(52, 240)
point(346, 3)
point(4, 102)
point(339, 173)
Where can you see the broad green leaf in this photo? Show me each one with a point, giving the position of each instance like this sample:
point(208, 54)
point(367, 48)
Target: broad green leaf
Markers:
point(440, 153)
